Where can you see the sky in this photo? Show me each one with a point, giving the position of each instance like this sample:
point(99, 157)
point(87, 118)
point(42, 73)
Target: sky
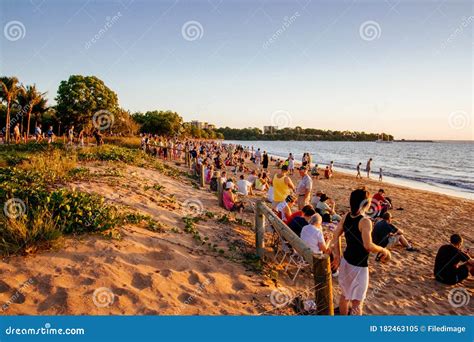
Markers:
point(402, 67)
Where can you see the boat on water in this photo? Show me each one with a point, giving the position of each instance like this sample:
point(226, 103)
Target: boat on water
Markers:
point(382, 140)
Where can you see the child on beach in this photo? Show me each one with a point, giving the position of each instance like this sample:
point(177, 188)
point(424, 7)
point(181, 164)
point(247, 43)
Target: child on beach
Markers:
point(358, 171)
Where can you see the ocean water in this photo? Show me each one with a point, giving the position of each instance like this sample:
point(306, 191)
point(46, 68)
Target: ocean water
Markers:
point(446, 167)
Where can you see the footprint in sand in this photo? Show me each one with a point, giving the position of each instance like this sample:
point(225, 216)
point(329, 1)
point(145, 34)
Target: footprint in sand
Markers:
point(87, 281)
point(193, 278)
point(238, 286)
point(43, 284)
point(163, 255)
point(124, 292)
point(56, 301)
point(4, 287)
point(141, 281)
point(165, 273)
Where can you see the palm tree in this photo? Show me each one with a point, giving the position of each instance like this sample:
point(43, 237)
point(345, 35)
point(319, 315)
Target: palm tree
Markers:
point(9, 90)
point(29, 98)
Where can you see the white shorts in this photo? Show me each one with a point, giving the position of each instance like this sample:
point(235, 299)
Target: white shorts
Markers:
point(353, 280)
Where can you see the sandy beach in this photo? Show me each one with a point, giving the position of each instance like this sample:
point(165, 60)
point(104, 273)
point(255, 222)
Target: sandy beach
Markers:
point(168, 272)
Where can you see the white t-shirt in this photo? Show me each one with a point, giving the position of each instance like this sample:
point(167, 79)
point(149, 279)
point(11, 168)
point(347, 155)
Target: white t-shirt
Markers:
point(280, 208)
point(243, 186)
point(313, 237)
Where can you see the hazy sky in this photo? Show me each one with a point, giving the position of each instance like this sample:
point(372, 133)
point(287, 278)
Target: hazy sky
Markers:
point(403, 67)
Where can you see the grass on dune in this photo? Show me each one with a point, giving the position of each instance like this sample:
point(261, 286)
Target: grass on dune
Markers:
point(38, 209)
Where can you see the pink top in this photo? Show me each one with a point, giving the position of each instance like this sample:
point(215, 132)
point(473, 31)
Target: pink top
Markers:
point(227, 199)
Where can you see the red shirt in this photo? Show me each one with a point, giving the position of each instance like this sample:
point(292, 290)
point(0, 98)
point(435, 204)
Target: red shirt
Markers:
point(378, 199)
point(296, 213)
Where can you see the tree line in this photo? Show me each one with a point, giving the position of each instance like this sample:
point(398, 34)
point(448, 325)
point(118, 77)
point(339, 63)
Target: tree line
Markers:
point(86, 103)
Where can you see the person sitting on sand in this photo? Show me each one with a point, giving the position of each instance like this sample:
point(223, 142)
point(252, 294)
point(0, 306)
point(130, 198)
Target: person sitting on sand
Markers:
point(313, 235)
point(316, 198)
point(244, 187)
point(230, 201)
point(284, 208)
point(327, 205)
point(327, 172)
point(214, 181)
point(282, 186)
point(354, 266)
point(385, 234)
point(252, 177)
point(296, 223)
point(452, 265)
point(261, 183)
point(314, 171)
point(383, 203)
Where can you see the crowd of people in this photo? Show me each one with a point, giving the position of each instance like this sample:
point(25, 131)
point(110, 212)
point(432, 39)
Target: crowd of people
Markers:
point(71, 136)
point(312, 214)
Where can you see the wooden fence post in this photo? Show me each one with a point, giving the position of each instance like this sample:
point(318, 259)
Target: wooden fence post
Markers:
point(259, 230)
point(202, 180)
point(187, 159)
point(322, 285)
point(220, 192)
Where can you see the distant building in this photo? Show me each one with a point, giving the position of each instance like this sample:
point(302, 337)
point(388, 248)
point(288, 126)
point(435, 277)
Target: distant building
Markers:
point(269, 129)
point(202, 125)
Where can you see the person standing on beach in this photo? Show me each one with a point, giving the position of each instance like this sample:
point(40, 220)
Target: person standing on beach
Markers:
point(258, 158)
point(368, 167)
point(291, 164)
point(358, 171)
point(380, 174)
point(70, 136)
point(304, 188)
point(282, 186)
point(265, 161)
point(353, 266)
